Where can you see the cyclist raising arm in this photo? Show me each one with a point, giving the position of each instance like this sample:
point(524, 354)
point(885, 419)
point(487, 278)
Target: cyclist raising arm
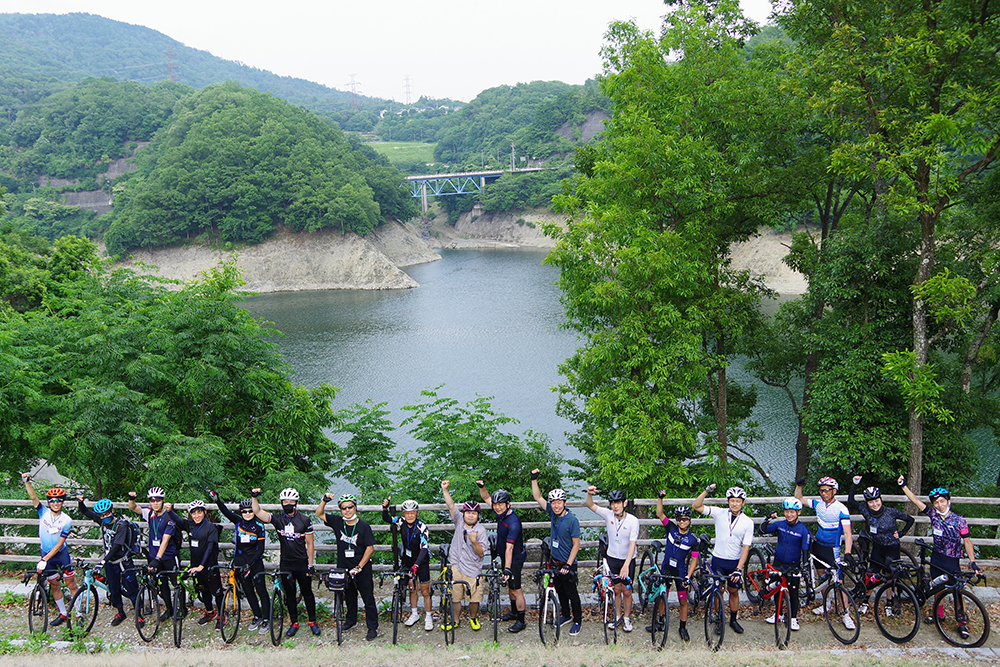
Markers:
point(415, 556)
point(53, 528)
point(564, 534)
point(355, 546)
point(623, 535)
point(468, 547)
point(733, 536)
point(118, 537)
point(951, 531)
point(833, 520)
point(248, 560)
point(881, 523)
point(679, 556)
point(509, 533)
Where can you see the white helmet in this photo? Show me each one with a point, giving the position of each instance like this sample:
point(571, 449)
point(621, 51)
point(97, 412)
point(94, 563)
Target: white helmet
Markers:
point(736, 492)
point(156, 492)
point(196, 505)
point(289, 494)
point(409, 506)
point(557, 494)
point(791, 503)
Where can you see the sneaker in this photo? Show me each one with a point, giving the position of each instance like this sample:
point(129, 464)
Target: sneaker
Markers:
point(60, 619)
point(218, 623)
point(292, 629)
point(849, 622)
point(167, 615)
point(735, 625)
point(574, 629)
point(428, 623)
point(614, 624)
point(448, 627)
point(117, 620)
point(209, 615)
point(863, 609)
point(264, 627)
point(795, 624)
point(627, 624)
point(140, 622)
point(474, 624)
point(819, 611)
point(413, 618)
point(255, 623)
point(314, 628)
point(684, 634)
point(771, 619)
point(963, 630)
point(372, 634)
point(509, 616)
point(563, 620)
point(889, 612)
point(517, 627)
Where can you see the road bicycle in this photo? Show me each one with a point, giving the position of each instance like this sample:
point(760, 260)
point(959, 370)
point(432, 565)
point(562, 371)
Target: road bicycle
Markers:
point(606, 597)
point(771, 583)
point(147, 605)
point(660, 613)
point(182, 589)
point(700, 580)
point(548, 605)
point(715, 611)
point(276, 618)
point(336, 581)
point(494, 588)
point(86, 602)
point(230, 609)
point(839, 608)
point(400, 592)
point(960, 617)
point(648, 568)
point(38, 599)
point(446, 584)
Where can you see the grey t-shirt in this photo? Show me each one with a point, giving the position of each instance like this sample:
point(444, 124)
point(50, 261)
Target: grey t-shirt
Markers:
point(462, 555)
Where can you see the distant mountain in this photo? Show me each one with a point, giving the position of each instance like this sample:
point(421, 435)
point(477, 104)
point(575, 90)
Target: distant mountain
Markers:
point(72, 47)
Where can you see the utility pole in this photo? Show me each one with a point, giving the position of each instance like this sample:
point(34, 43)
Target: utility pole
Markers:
point(354, 92)
point(407, 89)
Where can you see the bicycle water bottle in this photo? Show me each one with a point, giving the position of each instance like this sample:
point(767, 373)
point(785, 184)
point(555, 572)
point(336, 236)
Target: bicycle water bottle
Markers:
point(773, 583)
point(939, 580)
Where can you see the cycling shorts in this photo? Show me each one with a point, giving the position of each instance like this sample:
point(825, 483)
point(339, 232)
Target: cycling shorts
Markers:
point(615, 565)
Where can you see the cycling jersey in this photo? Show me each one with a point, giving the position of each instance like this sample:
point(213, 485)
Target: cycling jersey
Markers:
point(620, 533)
point(159, 527)
point(830, 518)
point(793, 539)
point(949, 532)
point(509, 532)
point(203, 540)
point(52, 528)
point(881, 527)
point(292, 532)
point(249, 538)
point(414, 548)
point(678, 547)
point(731, 533)
point(117, 537)
point(352, 541)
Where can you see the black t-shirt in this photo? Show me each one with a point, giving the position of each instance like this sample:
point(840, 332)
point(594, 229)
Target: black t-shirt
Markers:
point(203, 540)
point(291, 532)
point(351, 541)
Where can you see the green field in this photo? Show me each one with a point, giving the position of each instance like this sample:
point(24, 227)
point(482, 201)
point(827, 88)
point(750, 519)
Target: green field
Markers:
point(405, 152)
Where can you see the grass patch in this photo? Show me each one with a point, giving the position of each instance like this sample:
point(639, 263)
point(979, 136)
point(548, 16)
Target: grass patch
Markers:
point(405, 152)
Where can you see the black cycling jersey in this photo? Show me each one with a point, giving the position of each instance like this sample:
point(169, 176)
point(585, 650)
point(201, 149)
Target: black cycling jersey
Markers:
point(509, 532)
point(292, 531)
point(203, 540)
point(249, 537)
point(880, 527)
point(116, 537)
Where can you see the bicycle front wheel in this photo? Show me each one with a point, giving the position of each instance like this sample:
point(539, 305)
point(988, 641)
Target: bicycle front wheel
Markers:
point(180, 609)
point(277, 619)
point(660, 618)
point(715, 619)
point(647, 566)
point(447, 618)
point(782, 619)
point(897, 613)
point(961, 618)
point(494, 610)
point(338, 615)
point(147, 613)
point(548, 619)
point(83, 609)
point(841, 613)
point(756, 566)
point(397, 611)
point(229, 615)
point(608, 618)
point(38, 610)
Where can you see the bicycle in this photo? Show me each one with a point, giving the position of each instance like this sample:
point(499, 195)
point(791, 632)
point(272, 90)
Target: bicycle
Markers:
point(446, 610)
point(700, 578)
point(336, 581)
point(548, 606)
point(38, 600)
point(147, 605)
point(231, 607)
point(606, 595)
point(276, 618)
point(400, 592)
point(839, 606)
point(768, 583)
point(181, 591)
point(715, 611)
point(960, 617)
point(648, 568)
point(660, 619)
point(85, 604)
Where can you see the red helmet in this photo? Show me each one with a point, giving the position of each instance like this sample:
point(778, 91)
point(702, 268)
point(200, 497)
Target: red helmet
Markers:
point(55, 492)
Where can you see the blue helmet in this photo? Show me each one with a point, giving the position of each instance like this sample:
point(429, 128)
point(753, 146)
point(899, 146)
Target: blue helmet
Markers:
point(103, 505)
point(939, 492)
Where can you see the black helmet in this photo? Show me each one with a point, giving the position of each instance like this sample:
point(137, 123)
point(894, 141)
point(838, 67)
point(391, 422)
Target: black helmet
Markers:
point(500, 496)
point(246, 504)
point(872, 492)
point(616, 495)
point(682, 511)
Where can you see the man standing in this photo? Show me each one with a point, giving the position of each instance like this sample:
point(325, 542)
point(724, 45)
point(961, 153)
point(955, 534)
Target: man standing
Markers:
point(355, 546)
point(118, 536)
point(564, 535)
point(511, 542)
point(733, 536)
point(623, 535)
point(53, 529)
point(468, 547)
point(164, 534)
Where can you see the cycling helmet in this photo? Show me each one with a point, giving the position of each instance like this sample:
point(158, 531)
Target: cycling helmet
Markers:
point(156, 492)
point(557, 494)
point(347, 498)
point(55, 492)
point(409, 506)
point(939, 492)
point(103, 505)
point(736, 492)
point(829, 481)
point(196, 505)
point(616, 496)
point(246, 504)
point(289, 494)
point(682, 511)
point(470, 506)
point(500, 496)
point(872, 492)
point(791, 504)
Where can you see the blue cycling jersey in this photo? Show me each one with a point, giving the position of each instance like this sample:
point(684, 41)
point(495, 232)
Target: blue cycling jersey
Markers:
point(793, 539)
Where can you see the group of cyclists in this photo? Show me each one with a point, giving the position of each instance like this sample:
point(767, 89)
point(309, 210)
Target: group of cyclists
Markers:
point(832, 543)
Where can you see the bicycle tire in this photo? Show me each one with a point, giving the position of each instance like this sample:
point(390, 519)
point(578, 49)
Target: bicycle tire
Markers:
point(608, 618)
point(548, 619)
point(756, 562)
point(147, 613)
point(903, 623)
point(838, 604)
point(38, 610)
point(948, 620)
point(782, 619)
point(277, 617)
point(180, 608)
point(397, 611)
point(660, 622)
point(229, 615)
point(715, 619)
point(645, 583)
point(338, 615)
point(83, 609)
point(493, 607)
point(447, 614)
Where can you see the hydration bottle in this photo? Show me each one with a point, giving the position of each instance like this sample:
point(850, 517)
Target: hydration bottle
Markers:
point(939, 580)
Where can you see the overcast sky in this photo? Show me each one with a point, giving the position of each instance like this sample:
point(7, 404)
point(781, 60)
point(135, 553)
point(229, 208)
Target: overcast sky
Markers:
point(447, 48)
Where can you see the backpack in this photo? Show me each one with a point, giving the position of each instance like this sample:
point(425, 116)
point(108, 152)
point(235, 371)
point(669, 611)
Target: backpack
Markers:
point(134, 540)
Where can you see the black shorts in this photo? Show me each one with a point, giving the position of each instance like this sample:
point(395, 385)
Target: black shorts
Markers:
point(514, 580)
point(615, 565)
point(423, 571)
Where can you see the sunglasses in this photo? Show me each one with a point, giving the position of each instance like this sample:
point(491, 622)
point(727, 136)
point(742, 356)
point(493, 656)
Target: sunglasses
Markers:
point(246, 511)
point(348, 507)
point(55, 500)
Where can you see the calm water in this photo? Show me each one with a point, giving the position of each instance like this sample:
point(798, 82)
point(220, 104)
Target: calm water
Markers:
point(483, 322)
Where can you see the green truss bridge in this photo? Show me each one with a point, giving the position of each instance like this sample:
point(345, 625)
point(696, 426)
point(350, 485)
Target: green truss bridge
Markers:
point(457, 184)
